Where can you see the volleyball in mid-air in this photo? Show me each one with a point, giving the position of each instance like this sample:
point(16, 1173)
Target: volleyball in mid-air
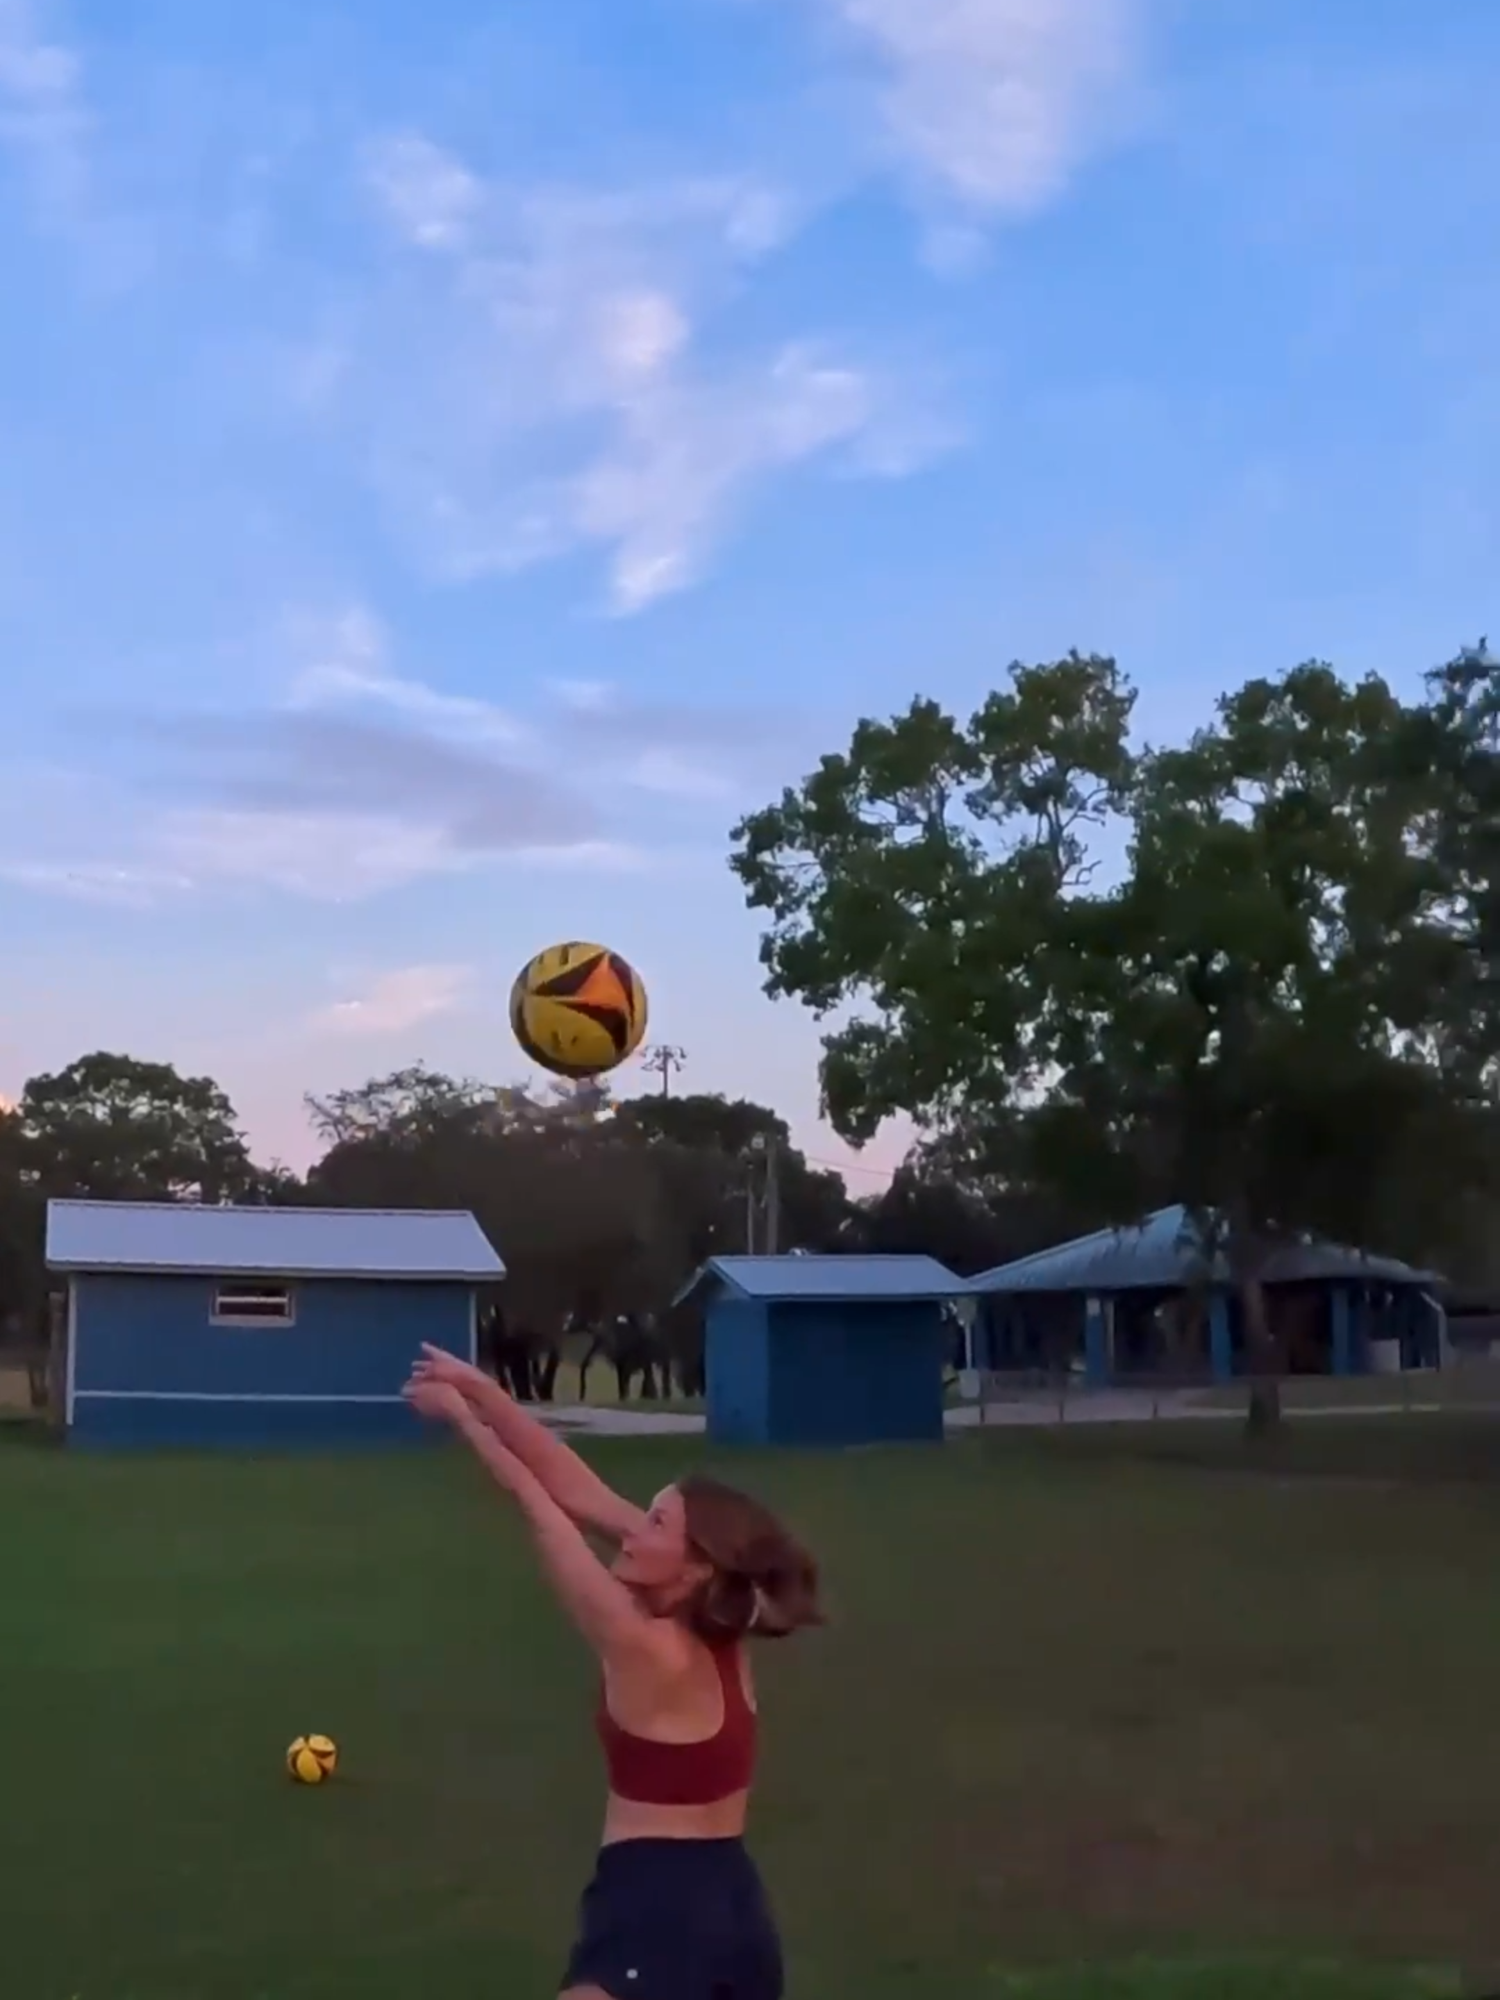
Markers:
point(312, 1759)
point(578, 1009)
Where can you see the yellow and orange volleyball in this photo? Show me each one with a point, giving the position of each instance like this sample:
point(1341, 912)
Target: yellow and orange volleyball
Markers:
point(578, 1010)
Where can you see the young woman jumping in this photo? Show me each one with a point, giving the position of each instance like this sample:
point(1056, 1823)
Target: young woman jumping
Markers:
point(675, 1910)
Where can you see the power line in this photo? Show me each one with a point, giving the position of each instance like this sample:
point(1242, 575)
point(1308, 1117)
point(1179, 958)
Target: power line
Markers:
point(850, 1167)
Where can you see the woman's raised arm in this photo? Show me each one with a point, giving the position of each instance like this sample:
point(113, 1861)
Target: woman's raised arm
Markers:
point(574, 1486)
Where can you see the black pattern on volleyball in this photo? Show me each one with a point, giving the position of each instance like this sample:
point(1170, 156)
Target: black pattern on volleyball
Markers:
point(578, 1009)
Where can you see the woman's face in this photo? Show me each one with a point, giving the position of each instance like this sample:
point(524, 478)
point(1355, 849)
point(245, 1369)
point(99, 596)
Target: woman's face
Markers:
point(657, 1559)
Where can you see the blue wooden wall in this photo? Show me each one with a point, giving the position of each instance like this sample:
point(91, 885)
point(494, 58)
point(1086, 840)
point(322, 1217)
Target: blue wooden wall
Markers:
point(149, 1367)
point(737, 1370)
point(825, 1373)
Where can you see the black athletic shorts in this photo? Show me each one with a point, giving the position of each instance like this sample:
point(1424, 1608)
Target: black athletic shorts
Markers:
point(676, 1920)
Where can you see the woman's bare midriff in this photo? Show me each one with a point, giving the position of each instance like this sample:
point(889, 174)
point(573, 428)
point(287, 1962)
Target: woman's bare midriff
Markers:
point(629, 1819)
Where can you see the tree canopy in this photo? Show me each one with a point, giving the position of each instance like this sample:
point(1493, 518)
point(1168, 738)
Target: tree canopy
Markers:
point(112, 1126)
point(599, 1207)
point(1252, 971)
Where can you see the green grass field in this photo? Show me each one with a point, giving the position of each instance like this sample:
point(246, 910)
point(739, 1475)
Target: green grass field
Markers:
point(1090, 1725)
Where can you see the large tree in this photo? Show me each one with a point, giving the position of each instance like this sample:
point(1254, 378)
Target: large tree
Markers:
point(1452, 748)
point(963, 1218)
point(112, 1126)
point(1212, 972)
point(579, 1225)
point(407, 1102)
point(417, 1101)
point(22, 1275)
point(732, 1160)
point(903, 865)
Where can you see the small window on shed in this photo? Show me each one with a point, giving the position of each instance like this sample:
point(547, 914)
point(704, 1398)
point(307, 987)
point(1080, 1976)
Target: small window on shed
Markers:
point(237, 1303)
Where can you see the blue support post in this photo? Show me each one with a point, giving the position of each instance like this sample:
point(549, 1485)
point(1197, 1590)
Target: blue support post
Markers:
point(1341, 1344)
point(1437, 1316)
point(1095, 1342)
point(1005, 1336)
point(1220, 1350)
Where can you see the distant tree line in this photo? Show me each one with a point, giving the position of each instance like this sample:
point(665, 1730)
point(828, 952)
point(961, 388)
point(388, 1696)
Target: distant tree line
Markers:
point(599, 1208)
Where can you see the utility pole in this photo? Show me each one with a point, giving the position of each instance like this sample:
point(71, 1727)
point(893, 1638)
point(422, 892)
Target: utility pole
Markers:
point(663, 1060)
point(764, 1147)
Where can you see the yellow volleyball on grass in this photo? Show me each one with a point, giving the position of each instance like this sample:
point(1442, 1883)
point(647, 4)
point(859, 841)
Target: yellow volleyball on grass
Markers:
point(311, 1760)
point(578, 1009)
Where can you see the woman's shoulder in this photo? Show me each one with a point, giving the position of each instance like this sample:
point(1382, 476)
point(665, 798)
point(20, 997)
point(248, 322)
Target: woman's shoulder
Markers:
point(665, 1643)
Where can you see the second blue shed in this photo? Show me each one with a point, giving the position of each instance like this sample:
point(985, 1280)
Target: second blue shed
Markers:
point(825, 1350)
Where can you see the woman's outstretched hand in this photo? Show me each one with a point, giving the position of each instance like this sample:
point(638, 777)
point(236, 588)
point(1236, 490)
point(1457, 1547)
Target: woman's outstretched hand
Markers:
point(441, 1402)
point(436, 1364)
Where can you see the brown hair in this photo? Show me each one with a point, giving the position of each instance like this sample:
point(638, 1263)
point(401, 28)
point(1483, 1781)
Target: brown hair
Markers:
point(764, 1583)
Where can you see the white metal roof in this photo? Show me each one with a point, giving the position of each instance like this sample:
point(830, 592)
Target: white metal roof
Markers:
point(146, 1236)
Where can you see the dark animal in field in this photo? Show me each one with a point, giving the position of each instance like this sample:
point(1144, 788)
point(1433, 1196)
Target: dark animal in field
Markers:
point(632, 1348)
point(680, 1337)
point(521, 1359)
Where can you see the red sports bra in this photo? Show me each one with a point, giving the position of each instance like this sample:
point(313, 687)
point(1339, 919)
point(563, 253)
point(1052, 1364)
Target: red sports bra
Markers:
point(685, 1774)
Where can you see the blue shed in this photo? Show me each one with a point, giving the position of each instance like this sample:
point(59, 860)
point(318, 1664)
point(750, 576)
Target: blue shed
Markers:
point(196, 1325)
point(826, 1350)
point(1147, 1299)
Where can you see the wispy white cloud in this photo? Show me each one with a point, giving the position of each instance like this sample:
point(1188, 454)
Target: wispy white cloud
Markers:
point(360, 781)
point(686, 455)
point(995, 103)
point(395, 1001)
point(679, 749)
point(324, 857)
point(431, 198)
point(584, 697)
point(319, 857)
point(347, 667)
point(572, 397)
point(353, 776)
point(673, 775)
point(435, 202)
point(123, 887)
point(166, 856)
point(675, 749)
point(44, 119)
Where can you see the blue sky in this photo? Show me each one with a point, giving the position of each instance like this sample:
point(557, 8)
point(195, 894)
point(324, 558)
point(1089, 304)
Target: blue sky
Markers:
point(454, 459)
